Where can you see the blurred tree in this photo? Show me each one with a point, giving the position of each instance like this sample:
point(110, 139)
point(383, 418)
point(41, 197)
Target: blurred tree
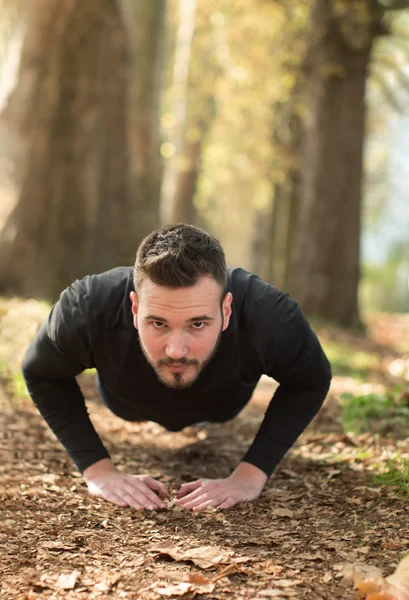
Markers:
point(327, 257)
point(233, 196)
point(173, 208)
point(326, 271)
point(68, 126)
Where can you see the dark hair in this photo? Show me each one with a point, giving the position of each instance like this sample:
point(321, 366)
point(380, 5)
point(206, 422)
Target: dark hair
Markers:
point(178, 255)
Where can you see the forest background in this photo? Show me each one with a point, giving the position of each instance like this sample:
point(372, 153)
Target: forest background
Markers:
point(282, 127)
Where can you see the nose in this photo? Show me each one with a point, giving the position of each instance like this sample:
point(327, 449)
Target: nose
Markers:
point(176, 347)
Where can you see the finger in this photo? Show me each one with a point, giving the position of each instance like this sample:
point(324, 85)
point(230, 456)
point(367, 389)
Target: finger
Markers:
point(217, 502)
point(157, 485)
point(137, 502)
point(194, 494)
point(195, 502)
point(186, 488)
point(211, 496)
point(114, 499)
point(228, 503)
point(144, 496)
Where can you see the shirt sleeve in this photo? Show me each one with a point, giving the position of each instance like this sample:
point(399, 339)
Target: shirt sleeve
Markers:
point(60, 351)
point(293, 356)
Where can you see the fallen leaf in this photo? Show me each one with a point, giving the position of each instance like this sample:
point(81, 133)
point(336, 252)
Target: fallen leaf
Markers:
point(347, 571)
point(204, 557)
point(198, 579)
point(285, 583)
point(394, 587)
point(67, 581)
point(271, 593)
point(363, 549)
point(307, 556)
point(197, 584)
point(289, 473)
point(57, 546)
point(283, 512)
point(174, 590)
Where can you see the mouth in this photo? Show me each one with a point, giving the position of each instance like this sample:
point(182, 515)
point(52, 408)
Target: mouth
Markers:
point(177, 368)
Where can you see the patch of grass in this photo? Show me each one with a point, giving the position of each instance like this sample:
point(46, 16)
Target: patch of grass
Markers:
point(383, 413)
point(347, 362)
point(19, 322)
point(395, 474)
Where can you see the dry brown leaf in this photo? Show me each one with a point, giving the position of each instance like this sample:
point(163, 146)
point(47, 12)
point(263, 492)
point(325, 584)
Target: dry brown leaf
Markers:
point(174, 590)
point(279, 594)
point(394, 587)
point(285, 583)
point(197, 583)
point(204, 557)
point(307, 556)
point(198, 579)
point(364, 549)
point(67, 581)
point(283, 512)
point(347, 572)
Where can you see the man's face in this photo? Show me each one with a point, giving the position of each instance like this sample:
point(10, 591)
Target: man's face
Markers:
point(179, 329)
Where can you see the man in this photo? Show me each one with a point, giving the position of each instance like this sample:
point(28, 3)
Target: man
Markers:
point(177, 340)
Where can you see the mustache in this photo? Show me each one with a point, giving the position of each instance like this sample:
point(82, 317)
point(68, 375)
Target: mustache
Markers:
point(177, 362)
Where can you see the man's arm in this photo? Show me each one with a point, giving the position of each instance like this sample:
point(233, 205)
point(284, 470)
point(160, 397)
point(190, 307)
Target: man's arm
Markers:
point(60, 351)
point(297, 361)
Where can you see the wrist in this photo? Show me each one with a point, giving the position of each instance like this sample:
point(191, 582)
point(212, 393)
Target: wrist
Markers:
point(250, 475)
point(104, 465)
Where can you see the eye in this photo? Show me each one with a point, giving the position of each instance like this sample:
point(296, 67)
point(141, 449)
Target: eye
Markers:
point(158, 324)
point(198, 325)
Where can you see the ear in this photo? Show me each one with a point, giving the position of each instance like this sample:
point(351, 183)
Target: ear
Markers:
point(134, 299)
point(226, 310)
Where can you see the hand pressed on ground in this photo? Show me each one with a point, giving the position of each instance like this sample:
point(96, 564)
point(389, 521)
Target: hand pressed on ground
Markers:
point(244, 484)
point(138, 491)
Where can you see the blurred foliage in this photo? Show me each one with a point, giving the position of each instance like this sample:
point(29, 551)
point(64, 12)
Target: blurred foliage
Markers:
point(19, 322)
point(348, 362)
point(246, 61)
point(383, 413)
point(384, 287)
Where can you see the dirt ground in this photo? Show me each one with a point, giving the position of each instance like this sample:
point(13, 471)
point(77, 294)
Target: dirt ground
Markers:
point(317, 515)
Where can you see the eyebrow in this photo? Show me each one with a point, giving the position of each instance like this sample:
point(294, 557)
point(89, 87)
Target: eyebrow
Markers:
point(192, 320)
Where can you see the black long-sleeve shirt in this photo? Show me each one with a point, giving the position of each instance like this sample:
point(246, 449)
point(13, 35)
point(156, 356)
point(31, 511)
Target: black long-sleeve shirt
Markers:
point(91, 326)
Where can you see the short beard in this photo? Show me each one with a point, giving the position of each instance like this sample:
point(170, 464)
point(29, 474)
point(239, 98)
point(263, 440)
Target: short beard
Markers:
point(178, 383)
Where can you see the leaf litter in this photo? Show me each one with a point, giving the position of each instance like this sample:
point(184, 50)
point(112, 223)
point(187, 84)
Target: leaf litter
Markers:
point(316, 533)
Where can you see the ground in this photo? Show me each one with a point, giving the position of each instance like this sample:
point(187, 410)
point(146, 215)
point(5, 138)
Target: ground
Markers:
point(321, 512)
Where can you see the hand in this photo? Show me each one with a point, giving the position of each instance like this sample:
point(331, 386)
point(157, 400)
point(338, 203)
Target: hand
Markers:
point(243, 485)
point(138, 491)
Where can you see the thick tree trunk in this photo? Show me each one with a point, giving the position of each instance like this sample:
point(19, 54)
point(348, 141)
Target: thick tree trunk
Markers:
point(145, 22)
point(326, 274)
point(68, 124)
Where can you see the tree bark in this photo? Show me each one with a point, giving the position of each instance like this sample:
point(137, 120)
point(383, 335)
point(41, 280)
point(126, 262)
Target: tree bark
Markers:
point(145, 21)
point(287, 140)
point(68, 122)
point(326, 273)
point(174, 207)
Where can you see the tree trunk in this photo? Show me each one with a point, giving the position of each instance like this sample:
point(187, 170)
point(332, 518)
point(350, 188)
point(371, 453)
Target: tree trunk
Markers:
point(145, 22)
point(174, 206)
point(287, 189)
point(68, 121)
point(326, 272)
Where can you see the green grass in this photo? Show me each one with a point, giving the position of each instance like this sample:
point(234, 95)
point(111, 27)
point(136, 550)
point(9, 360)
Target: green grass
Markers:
point(395, 474)
point(375, 413)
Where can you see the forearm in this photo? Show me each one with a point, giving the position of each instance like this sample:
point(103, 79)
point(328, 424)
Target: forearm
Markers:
point(287, 416)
